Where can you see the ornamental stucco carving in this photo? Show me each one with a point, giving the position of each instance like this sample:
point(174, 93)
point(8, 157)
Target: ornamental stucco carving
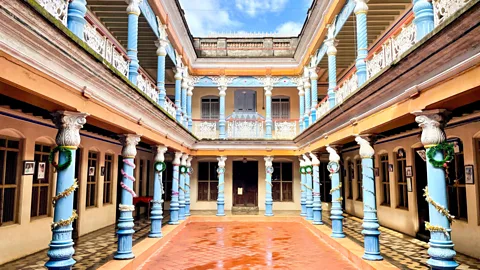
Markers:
point(176, 160)
point(333, 156)
point(133, 7)
point(160, 151)
point(129, 142)
point(268, 161)
point(360, 7)
point(307, 161)
point(189, 161)
point(302, 162)
point(221, 161)
point(331, 29)
point(314, 158)
point(432, 123)
point(68, 125)
point(366, 150)
point(184, 160)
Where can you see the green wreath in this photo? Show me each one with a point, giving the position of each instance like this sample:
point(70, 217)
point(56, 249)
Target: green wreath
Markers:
point(161, 169)
point(303, 170)
point(68, 156)
point(183, 169)
point(445, 147)
point(309, 169)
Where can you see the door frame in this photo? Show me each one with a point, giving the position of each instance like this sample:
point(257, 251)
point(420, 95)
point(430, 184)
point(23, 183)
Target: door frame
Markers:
point(254, 182)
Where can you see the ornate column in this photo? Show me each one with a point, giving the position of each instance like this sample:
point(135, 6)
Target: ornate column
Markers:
point(189, 107)
point(221, 186)
point(184, 100)
point(268, 186)
point(331, 43)
point(161, 44)
point(156, 212)
point(361, 10)
point(181, 187)
point(424, 20)
point(222, 122)
point(132, 43)
point(125, 222)
point(314, 78)
point(187, 186)
point(370, 221)
point(433, 138)
point(303, 188)
point(336, 213)
point(301, 98)
point(309, 186)
point(178, 94)
point(268, 111)
point(317, 202)
point(308, 107)
point(76, 17)
point(174, 204)
point(61, 250)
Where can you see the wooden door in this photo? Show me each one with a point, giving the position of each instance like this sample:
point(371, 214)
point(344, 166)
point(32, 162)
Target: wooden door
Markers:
point(245, 183)
point(421, 183)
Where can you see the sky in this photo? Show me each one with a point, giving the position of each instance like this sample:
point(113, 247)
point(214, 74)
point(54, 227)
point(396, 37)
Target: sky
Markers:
point(283, 16)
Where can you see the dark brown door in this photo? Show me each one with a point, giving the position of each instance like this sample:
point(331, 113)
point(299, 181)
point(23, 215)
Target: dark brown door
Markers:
point(421, 183)
point(245, 183)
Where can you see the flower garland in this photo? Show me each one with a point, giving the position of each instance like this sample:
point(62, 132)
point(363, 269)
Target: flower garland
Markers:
point(190, 171)
point(68, 156)
point(442, 210)
point(444, 147)
point(65, 222)
point(65, 193)
point(218, 187)
point(336, 188)
point(435, 228)
point(129, 190)
point(339, 199)
point(269, 170)
point(303, 170)
point(308, 169)
point(126, 208)
point(129, 177)
point(183, 169)
point(160, 166)
point(316, 193)
point(126, 161)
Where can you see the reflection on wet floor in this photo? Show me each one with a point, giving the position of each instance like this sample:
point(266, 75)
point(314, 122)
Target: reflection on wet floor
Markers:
point(244, 245)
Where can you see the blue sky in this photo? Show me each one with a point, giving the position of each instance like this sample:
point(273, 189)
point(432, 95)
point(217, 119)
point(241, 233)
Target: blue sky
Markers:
point(283, 16)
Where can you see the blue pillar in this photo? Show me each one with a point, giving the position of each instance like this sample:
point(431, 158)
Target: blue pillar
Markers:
point(268, 187)
point(125, 222)
point(332, 71)
point(268, 112)
point(184, 103)
point(424, 20)
point(301, 98)
point(309, 186)
point(156, 214)
point(132, 43)
point(441, 246)
point(336, 213)
point(76, 17)
point(221, 186)
point(222, 122)
point(361, 10)
point(189, 107)
point(178, 95)
point(370, 221)
point(314, 78)
point(161, 54)
point(303, 182)
point(317, 202)
point(187, 186)
point(174, 204)
point(68, 138)
point(306, 117)
point(181, 187)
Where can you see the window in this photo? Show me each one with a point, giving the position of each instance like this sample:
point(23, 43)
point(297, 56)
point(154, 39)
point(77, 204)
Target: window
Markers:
point(325, 183)
point(358, 164)
point(167, 177)
point(402, 179)
point(41, 182)
point(385, 179)
point(141, 180)
point(457, 197)
point(351, 175)
point(92, 179)
point(281, 108)
point(210, 108)
point(207, 181)
point(245, 101)
point(9, 160)
point(107, 180)
point(282, 182)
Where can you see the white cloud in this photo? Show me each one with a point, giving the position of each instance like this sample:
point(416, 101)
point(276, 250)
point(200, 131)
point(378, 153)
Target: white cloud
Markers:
point(289, 29)
point(207, 16)
point(255, 7)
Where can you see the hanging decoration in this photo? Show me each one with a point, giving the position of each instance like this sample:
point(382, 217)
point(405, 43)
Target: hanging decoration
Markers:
point(435, 228)
point(68, 156)
point(303, 170)
point(126, 161)
point(333, 167)
point(175, 179)
point(445, 147)
point(309, 169)
point(442, 210)
point(160, 166)
point(190, 171)
point(220, 171)
point(129, 190)
point(336, 188)
point(126, 208)
point(269, 170)
point(218, 187)
point(129, 177)
point(65, 193)
point(183, 169)
point(65, 222)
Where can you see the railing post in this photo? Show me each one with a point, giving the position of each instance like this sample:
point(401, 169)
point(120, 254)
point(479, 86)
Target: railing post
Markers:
point(301, 98)
point(156, 215)
point(178, 94)
point(314, 78)
point(336, 213)
point(221, 186)
point(361, 10)
point(76, 17)
point(424, 20)
point(132, 44)
point(268, 186)
point(161, 54)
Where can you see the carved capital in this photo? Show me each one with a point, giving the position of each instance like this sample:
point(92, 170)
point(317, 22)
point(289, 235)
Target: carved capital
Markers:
point(301, 92)
point(161, 47)
point(331, 46)
point(184, 160)
point(160, 151)
point(69, 125)
point(313, 74)
point(129, 142)
point(360, 7)
point(190, 91)
point(366, 150)
point(221, 161)
point(176, 160)
point(133, 7)
point(306, 83)
point(268, 90)
point(314, 158)
point(307, 161)
point(268, 161)
point(189, 161)
point(432, 123)
point(222, 91)
point(302, 162)
point(333, 155)
point(178, 74)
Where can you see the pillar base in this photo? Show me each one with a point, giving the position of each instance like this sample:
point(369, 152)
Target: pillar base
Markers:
point(60, 265)
point(124, 256)
point(372, 257)
point(155, 235)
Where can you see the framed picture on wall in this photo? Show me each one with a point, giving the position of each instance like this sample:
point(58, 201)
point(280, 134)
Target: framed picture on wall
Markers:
point(91, 171)
point(409, 184)
point(390, 167)
point(28, 167)
point(102, 171)
point(469, 177)
point(408, 171)
point(41, 170)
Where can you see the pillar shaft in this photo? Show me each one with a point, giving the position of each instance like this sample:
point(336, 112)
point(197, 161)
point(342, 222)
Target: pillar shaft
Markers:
point(268, 186)
point(303, 195)
point(156, 215)
point(174, 204)
point(308, 186)
point(336, 213)
point(187, 187)
point(361, 10)
point(184, 105)
point(181, 187)
point(301, 98)
point(317, 202)
point(268, 112)
point(189, 108)
point(178, 95)
point(76, 17)
point(424, 20)
point(313, 78)
point(221, 122)
point(306, 116)
point(221, 186)
point(132, 41)
point(161, 54)
point(332, 72)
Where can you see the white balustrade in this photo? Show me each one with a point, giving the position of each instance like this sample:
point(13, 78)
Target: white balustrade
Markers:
point(348, 86)
point(147, 86)
point(170, 107)
point(57, 8)
point(443, 9)
point(285, 129)
point(206, 129)
point(238, 129)
point(322, 109)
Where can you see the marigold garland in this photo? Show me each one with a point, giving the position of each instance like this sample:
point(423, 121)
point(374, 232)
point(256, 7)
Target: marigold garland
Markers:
point(68, 156)
point(444, 147)
point(65, 193)
point(336, 188)
point(65, 222)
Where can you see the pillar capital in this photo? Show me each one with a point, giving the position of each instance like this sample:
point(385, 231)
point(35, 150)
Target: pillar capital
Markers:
point(189, 161)
point(176, 160)
point(221, 161)
point(302, 162)
point(360, 7)
point(314, 158)
point(268, 90)
point(68, 125)
point(331, 46)
point(190, 91)
point(129, 143)
point(306, 83)
point(432, 123)
point(133, 7)
point(333, 155)
point(307, 161)
point(301, 92)
point(222, 90)
point(178, 73)
point(161, 47)
point(159, 152)
point(268, 161)
point(184, 160)
point(366, 150)
point(313, 73)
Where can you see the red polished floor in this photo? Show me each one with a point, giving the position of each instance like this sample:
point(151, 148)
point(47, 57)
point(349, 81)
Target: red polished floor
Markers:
point(246, 245)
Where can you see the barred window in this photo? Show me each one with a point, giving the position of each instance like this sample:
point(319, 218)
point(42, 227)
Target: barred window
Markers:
point(282, 182)
point(402, 179)
point(281, 107)
point(210, 108)
point(9, 160)
point(457, 194)
point(41, 182)
point(207, 181)
point(385, 179)
point(92, 169)
point(107, 179)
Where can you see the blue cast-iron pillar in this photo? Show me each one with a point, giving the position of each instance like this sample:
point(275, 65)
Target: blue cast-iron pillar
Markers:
point(174, 204)
point(133, 11)
point(76, 17)
point(317, 202)
point(181, 187)
point(221, 186)
point(332, 70)
point(424, 20)
point(189, 107)
point(61, 250)
point(361, 10)
point(314, 78)
point(184, 103)
point(221, 121)
point(187, 186)
point(441, 250)
point(161, 54)
point(308, 108)
point(309, 186)
point(178, 95)
point(156, 214)
point(303, 188)
point(268, 186)
point(268, 112)
point(336, 213)
point(370, 221)
point(125, 221)
point(301, 98)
